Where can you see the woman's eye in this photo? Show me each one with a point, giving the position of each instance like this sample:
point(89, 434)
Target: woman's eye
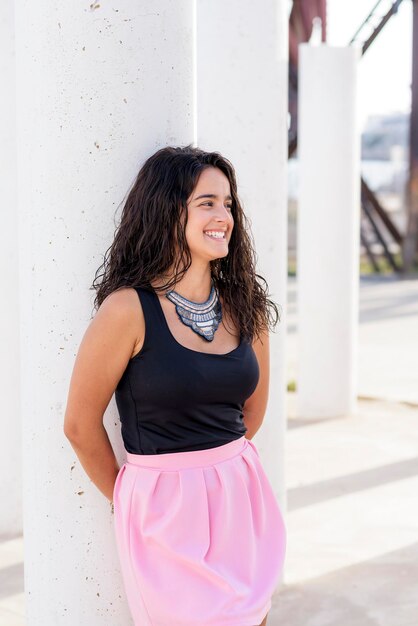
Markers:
point(228, 206)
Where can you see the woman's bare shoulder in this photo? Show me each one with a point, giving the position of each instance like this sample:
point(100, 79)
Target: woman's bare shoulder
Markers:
point(102, 357)
point(122, 296)
point(125, 304)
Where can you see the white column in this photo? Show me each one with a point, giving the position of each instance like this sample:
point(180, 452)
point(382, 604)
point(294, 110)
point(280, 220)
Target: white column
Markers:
point(100, 88)
point(328, 230)
point(10, 441)
point(242, 112)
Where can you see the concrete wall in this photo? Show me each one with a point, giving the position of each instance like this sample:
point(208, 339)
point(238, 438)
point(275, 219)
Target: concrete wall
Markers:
point(100, 87)
point(328, 230)
point(10, 442)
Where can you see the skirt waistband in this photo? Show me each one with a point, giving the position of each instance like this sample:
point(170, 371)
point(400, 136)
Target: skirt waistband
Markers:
point(191, 458)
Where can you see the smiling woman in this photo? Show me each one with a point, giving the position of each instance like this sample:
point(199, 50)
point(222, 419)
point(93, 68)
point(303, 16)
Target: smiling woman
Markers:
point(212, 218)
point(181, 338)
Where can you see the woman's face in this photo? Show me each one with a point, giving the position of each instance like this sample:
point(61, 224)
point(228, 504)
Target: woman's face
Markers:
point(209, 211)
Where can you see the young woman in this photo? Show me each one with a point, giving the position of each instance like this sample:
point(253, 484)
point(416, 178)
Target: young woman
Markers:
point(181, 337)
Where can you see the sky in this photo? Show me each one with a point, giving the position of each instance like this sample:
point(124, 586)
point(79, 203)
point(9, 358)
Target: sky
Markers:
point(385, 69)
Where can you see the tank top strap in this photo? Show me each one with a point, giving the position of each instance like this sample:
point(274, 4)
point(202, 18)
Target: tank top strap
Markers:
point(154, 328)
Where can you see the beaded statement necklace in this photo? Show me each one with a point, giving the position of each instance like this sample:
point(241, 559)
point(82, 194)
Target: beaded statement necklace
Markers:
point(202, 317)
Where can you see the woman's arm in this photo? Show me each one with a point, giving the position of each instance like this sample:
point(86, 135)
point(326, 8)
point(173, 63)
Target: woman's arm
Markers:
point(104, 352)
point(255, 406)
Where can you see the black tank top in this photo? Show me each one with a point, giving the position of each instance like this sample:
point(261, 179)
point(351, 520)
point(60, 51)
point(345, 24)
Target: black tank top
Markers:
point(174, 399)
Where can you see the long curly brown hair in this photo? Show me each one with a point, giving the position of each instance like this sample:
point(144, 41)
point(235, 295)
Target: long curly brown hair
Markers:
point(150, 239)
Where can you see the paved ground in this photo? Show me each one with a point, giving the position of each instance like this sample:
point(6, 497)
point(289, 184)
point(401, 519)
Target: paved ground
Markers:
point(388, 337)
point(352, 557)
point(11, 582)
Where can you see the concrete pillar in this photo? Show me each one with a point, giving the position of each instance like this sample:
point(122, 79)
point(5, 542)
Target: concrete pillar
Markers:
point(328, 230)
point(10, 442)
point(100, 88)
point(242, 112)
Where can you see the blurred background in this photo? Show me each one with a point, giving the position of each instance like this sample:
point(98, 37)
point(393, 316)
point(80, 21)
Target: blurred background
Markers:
point(388, 331)
point(351, 480)
point(384, 32)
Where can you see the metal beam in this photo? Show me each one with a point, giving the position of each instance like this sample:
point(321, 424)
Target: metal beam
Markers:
point(410, 247)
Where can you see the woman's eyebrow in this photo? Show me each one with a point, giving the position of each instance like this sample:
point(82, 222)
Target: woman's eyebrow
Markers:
point(212, 195)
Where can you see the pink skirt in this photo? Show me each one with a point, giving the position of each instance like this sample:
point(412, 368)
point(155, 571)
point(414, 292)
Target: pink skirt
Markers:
point(200, 536)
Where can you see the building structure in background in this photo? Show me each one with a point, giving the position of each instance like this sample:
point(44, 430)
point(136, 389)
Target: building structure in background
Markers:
point(383, 235)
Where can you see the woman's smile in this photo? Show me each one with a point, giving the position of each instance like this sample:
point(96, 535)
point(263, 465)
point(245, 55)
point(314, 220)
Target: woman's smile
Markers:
point(215, 235)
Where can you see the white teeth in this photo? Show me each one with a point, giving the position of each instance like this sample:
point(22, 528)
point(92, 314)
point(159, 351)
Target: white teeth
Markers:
point(215, 234)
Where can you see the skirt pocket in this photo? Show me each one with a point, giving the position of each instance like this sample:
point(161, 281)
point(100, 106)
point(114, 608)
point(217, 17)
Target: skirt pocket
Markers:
point(117, 481)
